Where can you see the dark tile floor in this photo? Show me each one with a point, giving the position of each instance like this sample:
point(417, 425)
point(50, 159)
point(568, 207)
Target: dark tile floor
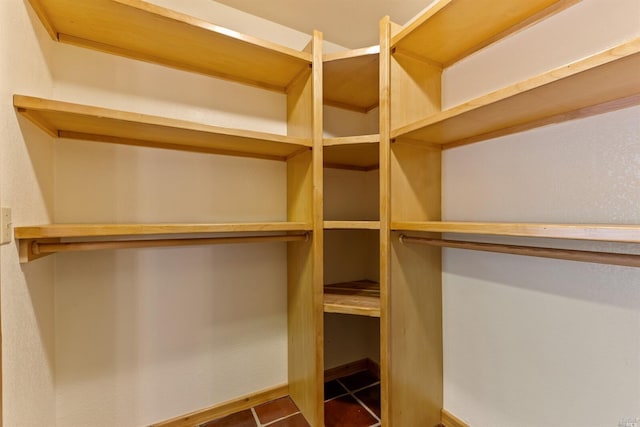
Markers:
point(351, 401)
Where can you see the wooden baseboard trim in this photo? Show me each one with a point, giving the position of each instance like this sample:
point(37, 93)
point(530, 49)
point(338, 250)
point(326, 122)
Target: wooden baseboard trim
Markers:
point(449, 420)
point(229, 407)
point(352, 368)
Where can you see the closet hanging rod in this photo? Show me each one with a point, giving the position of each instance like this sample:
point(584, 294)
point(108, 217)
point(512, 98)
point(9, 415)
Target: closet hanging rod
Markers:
point(629, 260)
point(45, 248)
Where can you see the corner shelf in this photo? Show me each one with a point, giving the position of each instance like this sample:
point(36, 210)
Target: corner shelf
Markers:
point(52, 238)
point(351, 79)
point(596, 232)
point(603, 82)
point(450, 30)
point(352, 152)
point(140, 30)
point(75, 121)
point(352, 225)
point(359, 298)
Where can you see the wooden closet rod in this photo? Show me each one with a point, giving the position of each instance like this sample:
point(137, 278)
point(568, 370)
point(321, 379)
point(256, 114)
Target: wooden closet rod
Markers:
point(42, 248)
point(629, 260)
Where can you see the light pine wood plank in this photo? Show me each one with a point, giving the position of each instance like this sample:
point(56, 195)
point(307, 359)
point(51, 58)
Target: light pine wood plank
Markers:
point(360, 298)
point(602, 82)
point(147, 32)
point(304, 183)
point(450, 420)
point(355, 152)
point(351, 225)
point(602, 232)
point(452, 29)
point(385, 28)
point(612, 258)
point(351, 79)
point(109, 230)
point(226, 408)
point(76, 121)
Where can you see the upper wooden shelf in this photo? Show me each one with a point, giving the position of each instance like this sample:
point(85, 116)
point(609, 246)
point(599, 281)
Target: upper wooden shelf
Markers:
point(603, 82)
point(350, 79)
point(67, 120)
point(352, 152)
point(452, 29)
point(600, 232)
point(360, 298)
point(140, 30)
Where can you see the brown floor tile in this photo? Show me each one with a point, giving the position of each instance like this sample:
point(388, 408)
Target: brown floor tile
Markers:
point(370, 396)
point(333, 389)
point(358, 380)
point(239, 419)
point(275, 409)
point(296, 420)
point(345, 411)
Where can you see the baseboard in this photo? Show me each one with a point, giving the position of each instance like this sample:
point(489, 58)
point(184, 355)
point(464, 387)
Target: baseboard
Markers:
point(245, 402)
point(449, 420)
point(226, 408)
point(352, 368)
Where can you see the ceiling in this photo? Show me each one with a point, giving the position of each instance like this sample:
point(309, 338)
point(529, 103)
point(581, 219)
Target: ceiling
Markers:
point(350, 23)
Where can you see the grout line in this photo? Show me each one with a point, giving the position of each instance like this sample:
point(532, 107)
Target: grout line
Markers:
point(279, 419)
point(255, 417)
point(353, 394)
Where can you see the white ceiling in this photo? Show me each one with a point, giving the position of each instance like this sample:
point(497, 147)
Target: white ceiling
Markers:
point(350, 23)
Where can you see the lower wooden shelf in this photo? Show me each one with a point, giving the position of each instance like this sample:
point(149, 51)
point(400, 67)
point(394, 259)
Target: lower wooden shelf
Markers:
point(360, 297)
point(602, 232)
point(41, 240)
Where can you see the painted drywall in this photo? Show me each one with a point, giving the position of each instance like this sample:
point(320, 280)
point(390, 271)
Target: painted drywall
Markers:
point(26, 186)
point(531, 342)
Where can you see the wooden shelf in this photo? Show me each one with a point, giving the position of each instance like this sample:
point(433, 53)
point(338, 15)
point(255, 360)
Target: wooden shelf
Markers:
point(42, 240)
point(140, 30)
point(351, 79)
point(600, 232)
point(352, 225)
point(603, 82)
point(352, 152)
point(140, 230)
point(452, 29)
point(360, 298)
point(75, 121)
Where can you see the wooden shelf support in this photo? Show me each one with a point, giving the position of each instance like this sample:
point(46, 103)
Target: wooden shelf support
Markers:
point(31, 249)
point(629, 260)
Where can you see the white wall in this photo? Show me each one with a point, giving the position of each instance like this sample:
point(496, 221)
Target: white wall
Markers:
point(131, 337)
point(26, 185)
point(532, 342)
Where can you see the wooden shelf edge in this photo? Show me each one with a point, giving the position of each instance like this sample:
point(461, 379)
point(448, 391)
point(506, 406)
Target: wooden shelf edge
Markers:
point(441, 6)
point(360, 298)
point(351, 225)
point(624, 50)
point(353, 53)
point(351, 140)
point(595, 232)
point(133, 229)
point(117, 13)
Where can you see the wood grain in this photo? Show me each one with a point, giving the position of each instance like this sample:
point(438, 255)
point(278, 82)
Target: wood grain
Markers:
point(450, 420)
point(602, 232)
point(351, 225)
point(452, 29)
point(609, 78)
point(351, 79)
point(140, 30)
point(357, 298)
point(76, 121)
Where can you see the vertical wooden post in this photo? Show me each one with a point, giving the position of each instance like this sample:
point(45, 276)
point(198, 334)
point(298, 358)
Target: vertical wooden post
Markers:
point(411, 282)
point(304, 203)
